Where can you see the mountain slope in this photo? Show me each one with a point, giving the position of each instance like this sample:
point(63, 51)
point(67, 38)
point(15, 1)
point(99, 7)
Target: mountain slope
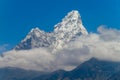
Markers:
point(70, 28)
point(18, 74)
point(65, 31)
point(92, 69)
point(35, 39)
point(116, 76)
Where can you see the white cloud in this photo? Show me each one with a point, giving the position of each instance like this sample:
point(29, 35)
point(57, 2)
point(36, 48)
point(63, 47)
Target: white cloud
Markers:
point(109, 34)
point(35, 59)
point(3, 48)
point(105, 45)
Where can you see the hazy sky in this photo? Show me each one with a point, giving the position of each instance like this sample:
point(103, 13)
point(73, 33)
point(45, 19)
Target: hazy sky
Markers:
point(17, 17)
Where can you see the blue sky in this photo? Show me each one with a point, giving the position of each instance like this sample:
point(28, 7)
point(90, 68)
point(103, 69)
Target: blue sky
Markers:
point(17, 17)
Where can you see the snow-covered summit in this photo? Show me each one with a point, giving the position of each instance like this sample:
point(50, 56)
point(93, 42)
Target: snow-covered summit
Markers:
point(68, 29)
point(71, 22)
point(35, 32)
point(34, 39)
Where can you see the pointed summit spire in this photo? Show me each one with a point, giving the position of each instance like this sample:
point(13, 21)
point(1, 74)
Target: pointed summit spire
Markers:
point(67, 30)
point(74, 14)
point(70, 23)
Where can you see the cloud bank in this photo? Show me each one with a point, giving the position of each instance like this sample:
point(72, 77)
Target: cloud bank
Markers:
point(104, 45)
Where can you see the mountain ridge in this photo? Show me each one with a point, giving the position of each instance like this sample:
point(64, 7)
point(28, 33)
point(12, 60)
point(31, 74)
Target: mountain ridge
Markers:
point(70, 27)
point(93, 69)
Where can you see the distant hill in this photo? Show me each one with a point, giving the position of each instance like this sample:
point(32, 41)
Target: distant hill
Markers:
point(92, 69)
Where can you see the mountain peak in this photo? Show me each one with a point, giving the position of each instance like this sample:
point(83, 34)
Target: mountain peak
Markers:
point(74, 11)
point(72, 21)
point(35, 30)
point(34, 39)
point(67, 30)
point(73, 14)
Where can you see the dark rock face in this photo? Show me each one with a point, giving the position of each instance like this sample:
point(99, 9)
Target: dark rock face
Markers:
point(92, 69)
point(116, 76)
point(18, 74)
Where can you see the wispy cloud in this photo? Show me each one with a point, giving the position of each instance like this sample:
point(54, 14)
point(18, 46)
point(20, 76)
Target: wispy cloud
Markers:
point(3, 48)
point(104, 45)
